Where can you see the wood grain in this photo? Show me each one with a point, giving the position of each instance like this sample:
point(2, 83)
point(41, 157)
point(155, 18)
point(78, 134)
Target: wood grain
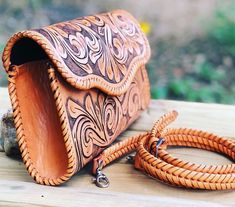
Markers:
point(129, 187)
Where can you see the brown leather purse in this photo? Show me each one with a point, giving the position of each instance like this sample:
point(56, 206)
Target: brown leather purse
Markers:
point(74, 87)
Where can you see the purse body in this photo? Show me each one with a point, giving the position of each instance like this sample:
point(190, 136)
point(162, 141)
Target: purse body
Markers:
point(74, 87)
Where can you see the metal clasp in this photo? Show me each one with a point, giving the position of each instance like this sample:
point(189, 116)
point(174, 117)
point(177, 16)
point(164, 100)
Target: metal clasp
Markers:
point(101, 179)
point(158, 144)
point(130, 158)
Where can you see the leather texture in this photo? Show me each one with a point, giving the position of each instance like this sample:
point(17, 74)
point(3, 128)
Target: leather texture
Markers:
point(74, 87)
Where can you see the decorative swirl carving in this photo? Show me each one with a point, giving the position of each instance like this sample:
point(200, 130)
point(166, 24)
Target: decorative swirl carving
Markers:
point(104, 45)
point(96, 118)
point(96, 123)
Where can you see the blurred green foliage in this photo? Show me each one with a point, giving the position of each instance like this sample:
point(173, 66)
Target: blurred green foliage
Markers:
point(201, 70)
point(3, 78)
point(204, 85)
point(222, 28)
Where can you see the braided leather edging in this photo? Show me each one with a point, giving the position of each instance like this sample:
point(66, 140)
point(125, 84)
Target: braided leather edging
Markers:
point(23, 143)
point(172, 170)
point(82, 83)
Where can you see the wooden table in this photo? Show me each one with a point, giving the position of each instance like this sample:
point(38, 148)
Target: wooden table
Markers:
point(128, 187)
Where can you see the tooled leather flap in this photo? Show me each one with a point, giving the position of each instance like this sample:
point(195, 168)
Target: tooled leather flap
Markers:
point(103, 51)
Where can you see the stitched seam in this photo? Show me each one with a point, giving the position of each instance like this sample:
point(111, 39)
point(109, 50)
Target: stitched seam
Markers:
point(63, 120)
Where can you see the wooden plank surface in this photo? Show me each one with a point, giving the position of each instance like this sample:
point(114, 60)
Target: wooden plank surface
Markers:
point(128, 187)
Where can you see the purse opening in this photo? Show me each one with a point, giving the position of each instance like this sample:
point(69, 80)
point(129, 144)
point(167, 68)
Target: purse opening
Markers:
point(26, 50)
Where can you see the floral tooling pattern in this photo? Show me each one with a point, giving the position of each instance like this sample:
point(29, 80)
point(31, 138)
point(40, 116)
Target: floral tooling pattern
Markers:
point(96, 118)
point(105, 45)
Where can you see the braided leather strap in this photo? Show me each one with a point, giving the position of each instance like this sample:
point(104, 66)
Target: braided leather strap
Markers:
point(169, 169)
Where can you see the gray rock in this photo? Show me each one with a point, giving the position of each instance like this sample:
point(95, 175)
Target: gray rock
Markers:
point(8, 142)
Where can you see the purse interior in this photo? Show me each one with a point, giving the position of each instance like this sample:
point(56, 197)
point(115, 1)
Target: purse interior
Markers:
point(40, 121)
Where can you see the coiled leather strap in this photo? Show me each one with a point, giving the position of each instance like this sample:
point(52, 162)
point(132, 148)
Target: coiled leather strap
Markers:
point(169, 169)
